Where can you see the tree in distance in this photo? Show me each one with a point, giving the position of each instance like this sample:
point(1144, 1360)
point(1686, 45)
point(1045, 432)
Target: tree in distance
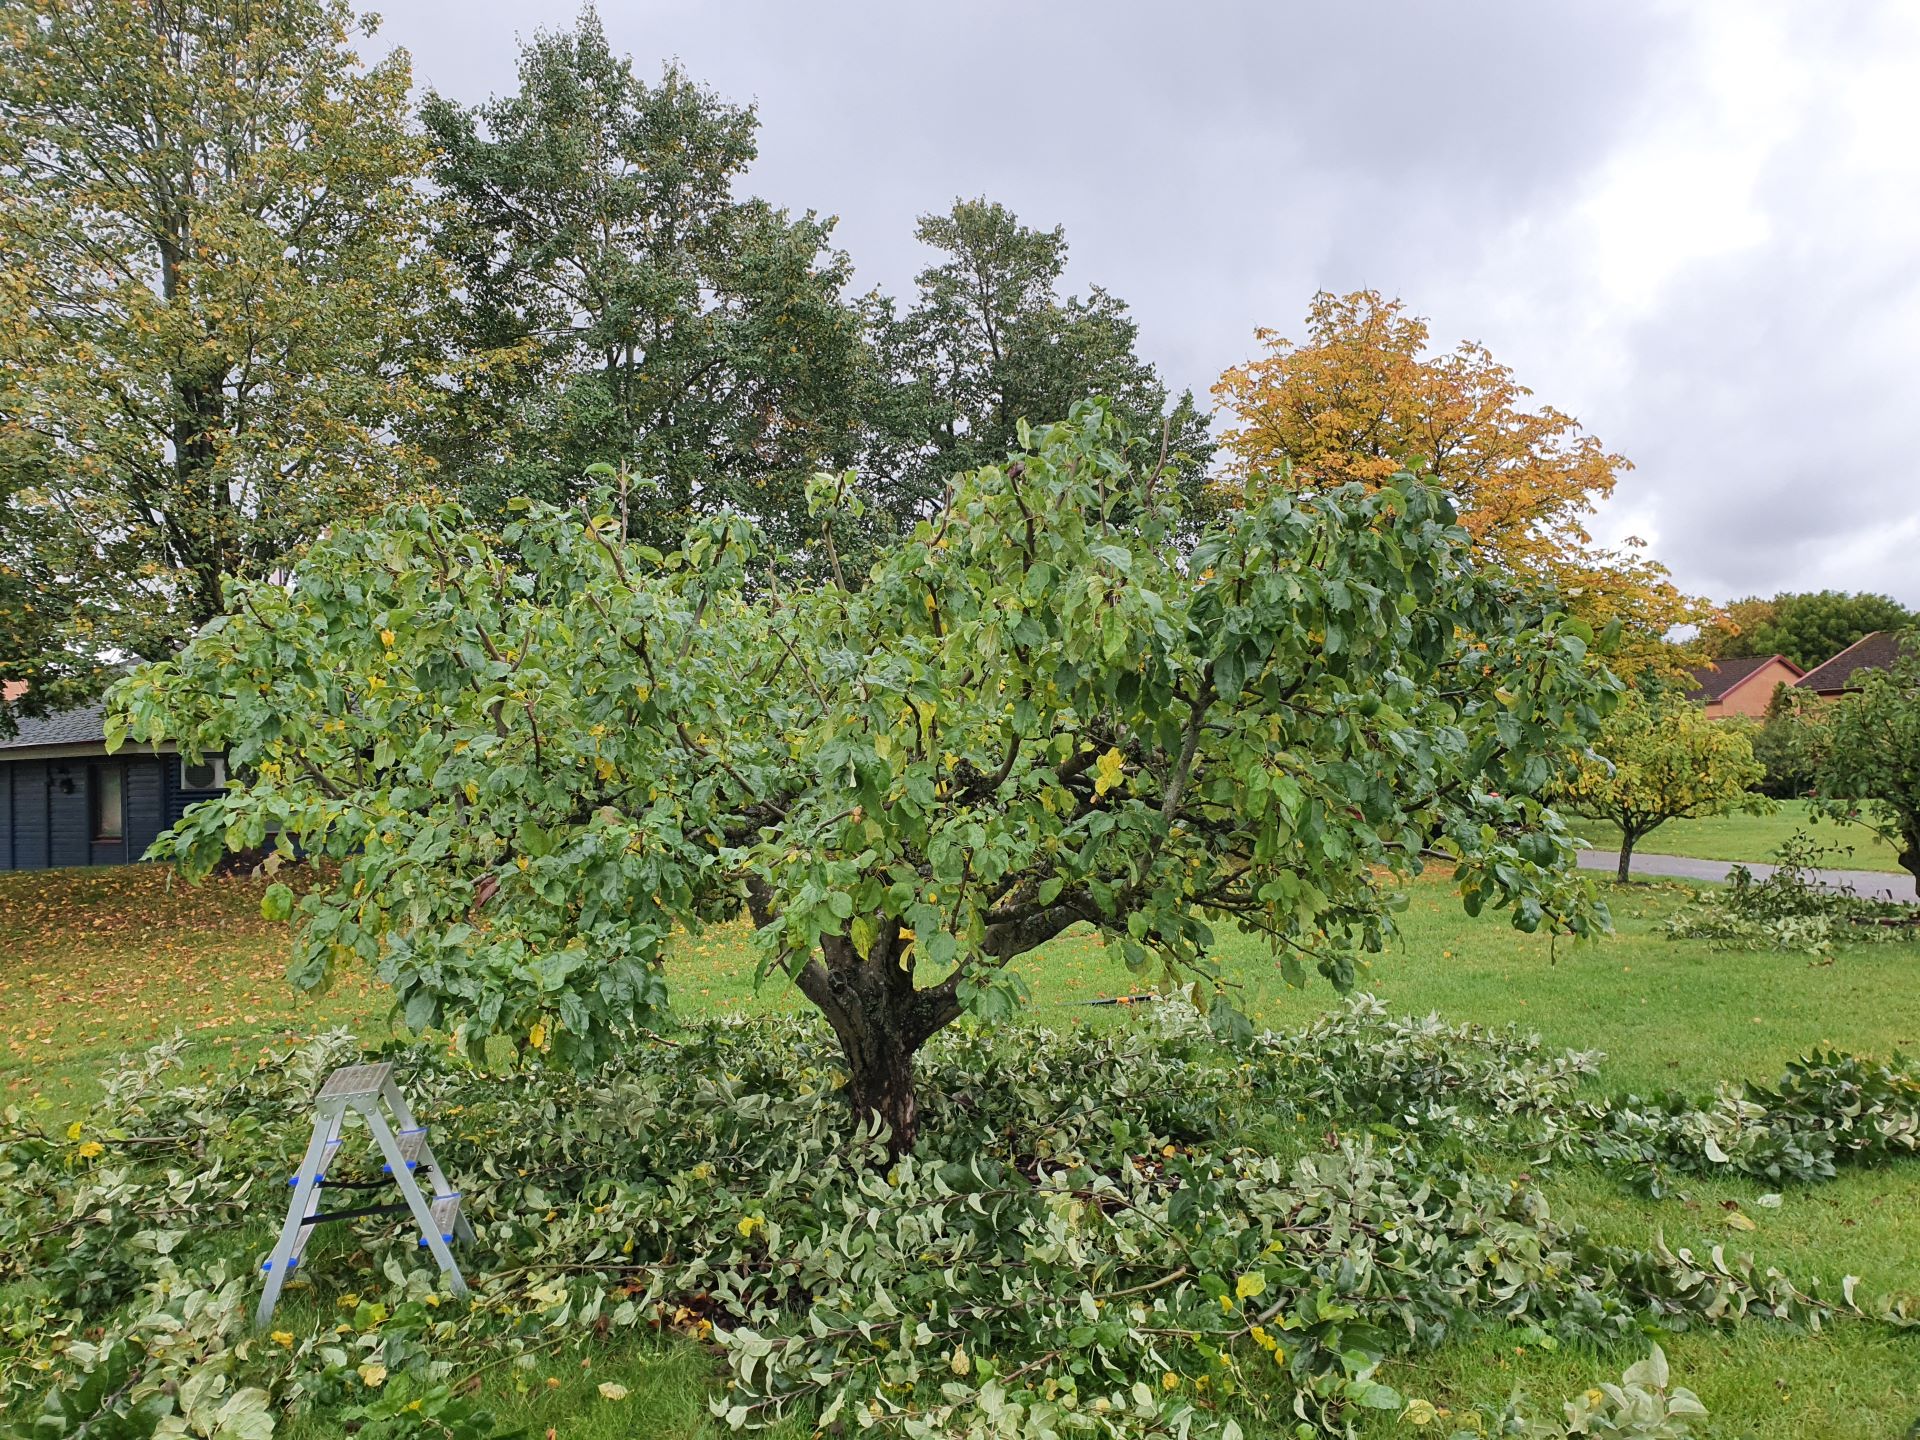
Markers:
point(1659, 758)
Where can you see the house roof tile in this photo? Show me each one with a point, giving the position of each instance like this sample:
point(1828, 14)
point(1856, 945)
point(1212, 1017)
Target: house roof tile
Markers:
point(1875, 651)
point(85, 724)
point(1720, 678)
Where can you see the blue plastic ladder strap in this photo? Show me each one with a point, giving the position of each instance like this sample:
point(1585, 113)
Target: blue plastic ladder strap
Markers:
point(267, 1264)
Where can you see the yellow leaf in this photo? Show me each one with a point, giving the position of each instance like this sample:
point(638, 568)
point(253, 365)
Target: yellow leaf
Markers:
point(1734, 1218)
point(612, 1390)
point(1107, 771)
point(374, 1374)
point(282, 1338)
point(93, 1149)
point(748, 1224)
point(1250, 1286)
point(537, 1036)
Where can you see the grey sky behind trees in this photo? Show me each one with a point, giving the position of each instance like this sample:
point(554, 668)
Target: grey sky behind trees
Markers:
point(1696, 226)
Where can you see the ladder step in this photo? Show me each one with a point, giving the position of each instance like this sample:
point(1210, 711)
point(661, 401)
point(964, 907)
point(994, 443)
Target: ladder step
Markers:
point(352, 1082)
point(446, 1211)
point(325, 1156)
point(413, 1146)
point(299, 1245)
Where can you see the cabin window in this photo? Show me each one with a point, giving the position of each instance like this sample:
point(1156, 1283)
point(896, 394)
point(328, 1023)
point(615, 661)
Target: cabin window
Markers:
point(207, 774)
point(109, 804)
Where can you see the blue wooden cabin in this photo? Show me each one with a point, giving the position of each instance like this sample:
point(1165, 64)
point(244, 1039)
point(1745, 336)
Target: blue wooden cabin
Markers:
point(65, 801)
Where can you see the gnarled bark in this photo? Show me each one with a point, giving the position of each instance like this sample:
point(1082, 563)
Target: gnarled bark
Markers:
point(881, 1021)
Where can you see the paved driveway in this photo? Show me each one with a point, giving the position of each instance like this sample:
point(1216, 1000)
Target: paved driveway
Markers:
point(1870, 884)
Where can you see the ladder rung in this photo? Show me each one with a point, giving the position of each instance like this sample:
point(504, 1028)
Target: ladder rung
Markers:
point(325, 1156)
point(299, 1244)
point(351, 1082)
point(446, 1210)
point(413, 1144)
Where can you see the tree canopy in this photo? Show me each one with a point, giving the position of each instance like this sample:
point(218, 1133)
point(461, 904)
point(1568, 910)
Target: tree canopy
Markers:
point(1866, 748)
point(212, 239)
point(1807, 628)
point(1659, 758)
point(622, 306)
point(1361, 399)
point(990, 341)
point(533, 754)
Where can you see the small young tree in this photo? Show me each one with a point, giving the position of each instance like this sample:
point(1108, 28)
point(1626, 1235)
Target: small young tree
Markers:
point(532, 755)
point(1661, 758)
point(1869, 755)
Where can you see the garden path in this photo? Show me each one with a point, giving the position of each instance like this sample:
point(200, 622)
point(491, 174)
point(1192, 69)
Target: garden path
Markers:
point(1868, 884)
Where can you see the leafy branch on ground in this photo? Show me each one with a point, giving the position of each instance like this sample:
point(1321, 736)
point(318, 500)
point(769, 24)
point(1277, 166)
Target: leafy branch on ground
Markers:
point(1792, 909)
point(1091, 1237)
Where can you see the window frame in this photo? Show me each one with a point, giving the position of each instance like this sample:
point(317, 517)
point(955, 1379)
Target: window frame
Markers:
point(97, 791)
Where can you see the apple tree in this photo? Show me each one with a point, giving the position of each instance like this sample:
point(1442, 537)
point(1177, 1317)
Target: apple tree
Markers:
point(1867, 764)
point(1661, 757)
point(530, 759)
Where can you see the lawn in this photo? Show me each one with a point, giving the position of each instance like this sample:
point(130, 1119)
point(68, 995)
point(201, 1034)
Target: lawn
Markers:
point(1753, 838)
point(94, 962)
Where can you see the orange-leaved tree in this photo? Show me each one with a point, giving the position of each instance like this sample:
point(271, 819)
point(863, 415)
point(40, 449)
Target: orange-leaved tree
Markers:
point(1363, 398)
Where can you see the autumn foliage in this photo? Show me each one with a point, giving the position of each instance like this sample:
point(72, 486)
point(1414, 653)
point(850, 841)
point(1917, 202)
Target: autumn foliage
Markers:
point(1362, 398)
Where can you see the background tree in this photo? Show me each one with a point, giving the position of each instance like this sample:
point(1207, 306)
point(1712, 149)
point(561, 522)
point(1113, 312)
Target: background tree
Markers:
point(41, 666)
point(1787, 743)
point(1660, 758)
point(627, 307)
point(1868, 754)
point(211, 236)
point(1807, 628)
point(530, 756)
point(988, 342)
point(1361, 398)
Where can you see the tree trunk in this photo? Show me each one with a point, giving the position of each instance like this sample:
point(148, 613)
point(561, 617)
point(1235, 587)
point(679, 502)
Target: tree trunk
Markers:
point(879, 1017)
point(1627, 838)
point(880, 1082)
point(881, 1021)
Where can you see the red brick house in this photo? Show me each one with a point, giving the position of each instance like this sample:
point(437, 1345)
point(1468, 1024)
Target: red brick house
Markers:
point(1742, 684)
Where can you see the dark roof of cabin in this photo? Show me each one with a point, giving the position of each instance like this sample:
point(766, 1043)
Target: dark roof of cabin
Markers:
point(1716, 680)
point(84, 724)
point(1875, 651)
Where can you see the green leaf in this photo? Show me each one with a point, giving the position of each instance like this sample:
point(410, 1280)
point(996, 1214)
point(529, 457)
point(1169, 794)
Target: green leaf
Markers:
point(277, 902)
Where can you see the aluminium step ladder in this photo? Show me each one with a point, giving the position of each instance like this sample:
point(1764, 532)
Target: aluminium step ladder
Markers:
point(369, 1091)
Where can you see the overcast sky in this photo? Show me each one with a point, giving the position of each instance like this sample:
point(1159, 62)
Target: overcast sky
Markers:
point(1695, 226)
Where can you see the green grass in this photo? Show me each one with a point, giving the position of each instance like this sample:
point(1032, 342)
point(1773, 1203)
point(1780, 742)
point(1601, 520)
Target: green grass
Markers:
point(92, 963)
point(1753, 838)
